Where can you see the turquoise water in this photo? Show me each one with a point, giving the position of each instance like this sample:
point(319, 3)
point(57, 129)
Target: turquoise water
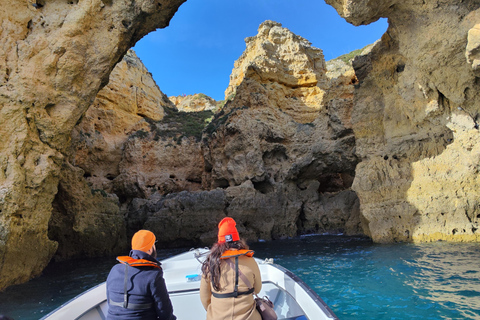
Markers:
point(357, 279)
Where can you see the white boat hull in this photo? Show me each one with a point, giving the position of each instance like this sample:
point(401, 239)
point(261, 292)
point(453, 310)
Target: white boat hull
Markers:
point(293, 299)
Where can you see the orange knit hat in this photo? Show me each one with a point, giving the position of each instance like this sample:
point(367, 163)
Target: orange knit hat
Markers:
point(227, 232)
point(143, 240)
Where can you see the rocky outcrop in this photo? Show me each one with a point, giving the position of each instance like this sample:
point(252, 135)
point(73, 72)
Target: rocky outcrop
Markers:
point(111, 160)
point(156, 168)
point(133, 143)
point(54, 58)
point(191, 218)
point(291, 124)
point(195, 103)
point(295, 75)
point(285, 131)
point(416, 120)
point(85, 222)
point(119, 110)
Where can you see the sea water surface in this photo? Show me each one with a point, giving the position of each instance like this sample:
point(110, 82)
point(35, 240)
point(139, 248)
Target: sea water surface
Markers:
point(356, 278)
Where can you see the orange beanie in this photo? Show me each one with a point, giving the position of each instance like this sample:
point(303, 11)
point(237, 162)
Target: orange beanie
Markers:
point(227, 232)
point(143, 240)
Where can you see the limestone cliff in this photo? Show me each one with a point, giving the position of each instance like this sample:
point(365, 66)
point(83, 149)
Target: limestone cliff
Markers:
point(103, 144)
point(54, 58)
point(133, 143)
point(415, 120)
point(296, 78)
point(119, 110)
point(286, 132)
point(195, 103)
point(156, 168)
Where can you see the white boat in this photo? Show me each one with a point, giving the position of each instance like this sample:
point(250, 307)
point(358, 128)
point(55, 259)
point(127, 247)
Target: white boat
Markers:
point(292, 298)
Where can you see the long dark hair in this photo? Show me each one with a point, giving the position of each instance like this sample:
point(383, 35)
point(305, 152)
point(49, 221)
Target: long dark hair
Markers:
point(211, 266)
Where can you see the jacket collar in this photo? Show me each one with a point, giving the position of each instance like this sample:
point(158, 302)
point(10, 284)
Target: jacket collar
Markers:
point(137, 254)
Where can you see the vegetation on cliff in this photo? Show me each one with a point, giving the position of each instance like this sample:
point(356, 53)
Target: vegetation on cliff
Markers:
point(178, 124)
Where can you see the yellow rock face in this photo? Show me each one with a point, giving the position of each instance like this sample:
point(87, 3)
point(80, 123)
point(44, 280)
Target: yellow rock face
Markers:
point(472, 52)
point(194, 103)
point(284, 137)
point(416, 123)
point(120, 145)
point(53, 61)
point(118, 110)
point(289, 68)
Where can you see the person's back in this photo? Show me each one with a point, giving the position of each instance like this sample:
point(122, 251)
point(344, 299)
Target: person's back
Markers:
point(225, 291)
point(135, 288)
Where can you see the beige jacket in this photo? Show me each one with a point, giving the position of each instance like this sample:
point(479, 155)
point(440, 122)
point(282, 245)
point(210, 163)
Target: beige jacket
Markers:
point(239, 308)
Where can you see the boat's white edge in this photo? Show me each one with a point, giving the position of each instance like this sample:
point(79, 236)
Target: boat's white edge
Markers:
point(83, 299)
point(312, 294)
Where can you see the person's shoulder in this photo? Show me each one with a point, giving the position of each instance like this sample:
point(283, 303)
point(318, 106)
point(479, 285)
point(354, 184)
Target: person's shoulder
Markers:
point(247, 260)
point(116, 267)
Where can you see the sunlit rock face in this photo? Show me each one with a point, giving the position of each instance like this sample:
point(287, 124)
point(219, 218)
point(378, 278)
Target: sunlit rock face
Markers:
point(194, 103)
point(126, 143)
point(472, 51)
point(285, 136)
point(284, 150)
point(416, 120)
point(119, 110)
point(132, 143)
point(111, 160)
point(291, 70)
point(54, 58)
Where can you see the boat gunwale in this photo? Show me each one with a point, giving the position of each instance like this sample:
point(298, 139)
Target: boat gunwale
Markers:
point(73, 299)
point(315, 297)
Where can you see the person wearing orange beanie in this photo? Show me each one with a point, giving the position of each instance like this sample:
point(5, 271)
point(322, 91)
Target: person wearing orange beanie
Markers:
point(230, 277)
point(136, 289)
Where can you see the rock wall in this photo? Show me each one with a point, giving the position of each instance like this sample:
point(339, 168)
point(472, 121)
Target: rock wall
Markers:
point(54, 58)
point(119, 110)
point(157, 169)
point(85, 222)
point(132, 143)
point(285, 133)
point(415, 120)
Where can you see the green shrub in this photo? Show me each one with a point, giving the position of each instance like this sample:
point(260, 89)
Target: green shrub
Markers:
point(102, 192)
point(177, 124)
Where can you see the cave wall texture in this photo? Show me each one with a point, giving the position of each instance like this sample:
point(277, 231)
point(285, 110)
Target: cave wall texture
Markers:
point(416, 118)
point(55, 57)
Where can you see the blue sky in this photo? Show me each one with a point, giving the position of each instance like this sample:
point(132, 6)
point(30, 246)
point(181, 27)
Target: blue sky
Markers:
point(196, 52)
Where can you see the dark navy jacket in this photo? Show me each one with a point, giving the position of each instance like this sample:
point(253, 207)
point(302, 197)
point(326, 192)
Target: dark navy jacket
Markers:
point(145, 285)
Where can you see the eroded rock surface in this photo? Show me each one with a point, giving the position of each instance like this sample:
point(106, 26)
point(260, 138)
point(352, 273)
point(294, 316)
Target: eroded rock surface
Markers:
point(54, 58)
point(285, 131)
point(285, 148)
point(415, 120)
point(133, 143)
